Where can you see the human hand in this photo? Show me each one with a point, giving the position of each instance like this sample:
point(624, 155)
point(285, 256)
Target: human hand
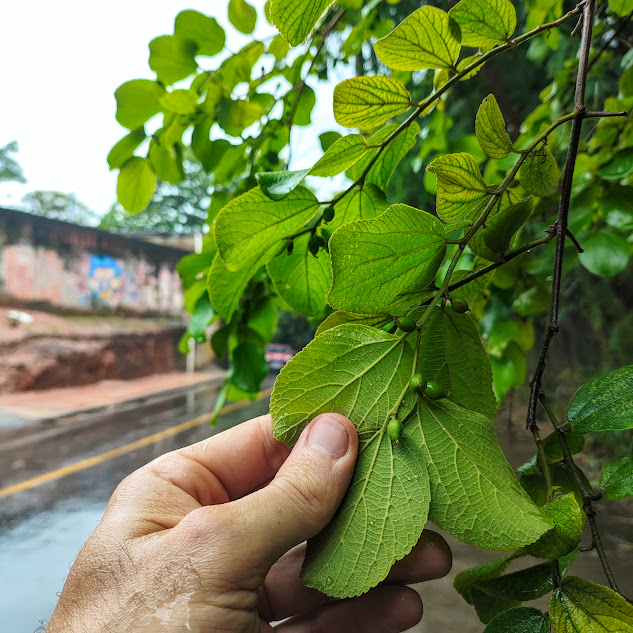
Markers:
point(203, 540)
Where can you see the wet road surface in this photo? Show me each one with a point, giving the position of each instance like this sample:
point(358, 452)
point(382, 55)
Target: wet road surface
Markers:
point(43, 528)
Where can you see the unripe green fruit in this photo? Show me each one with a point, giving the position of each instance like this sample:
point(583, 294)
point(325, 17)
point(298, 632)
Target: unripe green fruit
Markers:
point(435, 391)
point(406, 324)
point(321, 241)
point(394, 430)
point(314, 245)
point(459, 306)
point(417, 383)
point(328, 214)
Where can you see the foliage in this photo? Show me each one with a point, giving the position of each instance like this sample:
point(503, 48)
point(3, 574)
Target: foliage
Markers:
point(59, 206)
point(10, 170)
point(466, 248)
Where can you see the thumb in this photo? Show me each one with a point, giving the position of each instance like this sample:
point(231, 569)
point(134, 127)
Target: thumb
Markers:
point(302, 498)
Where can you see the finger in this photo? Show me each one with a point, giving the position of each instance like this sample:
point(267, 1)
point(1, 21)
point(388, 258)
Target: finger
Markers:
point(297, 503)
point(386, 609)
point(284, 594)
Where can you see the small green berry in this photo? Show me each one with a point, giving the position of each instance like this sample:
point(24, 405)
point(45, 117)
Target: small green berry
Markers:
point(406, 324)
point(394, 430)
point(321, 241)
point(435, 391)
point(328, 214)
point(417, 383)
point(459, 306)
point(314, 245)
point(290, 247)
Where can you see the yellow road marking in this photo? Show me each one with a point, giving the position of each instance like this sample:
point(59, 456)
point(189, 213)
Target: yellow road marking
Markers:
point(58, 473)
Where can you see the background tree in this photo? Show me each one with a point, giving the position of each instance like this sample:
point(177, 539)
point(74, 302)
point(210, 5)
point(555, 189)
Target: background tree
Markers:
point(10, 170)
point(59, 206)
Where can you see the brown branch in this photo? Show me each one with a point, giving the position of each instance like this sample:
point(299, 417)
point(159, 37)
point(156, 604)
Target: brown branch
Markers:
point(563, 209)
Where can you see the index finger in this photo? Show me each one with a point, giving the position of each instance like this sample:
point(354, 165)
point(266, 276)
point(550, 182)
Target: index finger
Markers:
point(243, 458)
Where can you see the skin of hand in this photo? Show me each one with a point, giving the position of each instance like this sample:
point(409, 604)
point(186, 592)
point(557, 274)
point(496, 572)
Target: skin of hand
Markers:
point(207, 539)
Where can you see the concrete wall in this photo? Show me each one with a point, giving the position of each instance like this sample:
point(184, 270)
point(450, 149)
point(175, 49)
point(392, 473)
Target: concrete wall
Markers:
point(55, 264)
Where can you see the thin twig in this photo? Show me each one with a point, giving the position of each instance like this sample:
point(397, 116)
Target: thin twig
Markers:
point(587, 497)
point(563, 210)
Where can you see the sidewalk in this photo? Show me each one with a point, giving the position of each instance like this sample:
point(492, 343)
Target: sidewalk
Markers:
point(29, 410)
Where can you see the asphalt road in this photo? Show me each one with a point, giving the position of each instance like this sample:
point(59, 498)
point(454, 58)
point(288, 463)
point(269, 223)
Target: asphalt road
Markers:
point(68, 478)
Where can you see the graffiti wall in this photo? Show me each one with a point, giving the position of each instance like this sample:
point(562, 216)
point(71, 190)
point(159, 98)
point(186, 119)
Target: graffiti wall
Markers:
point(66, 266)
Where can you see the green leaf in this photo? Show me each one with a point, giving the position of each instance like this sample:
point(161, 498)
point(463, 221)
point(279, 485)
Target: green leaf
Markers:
point(278, 47)
point(239, 114)
point(461, 190)
point(581, 605)
point(295, 19)
point(248, 367)
point(342, 154)
point(243, 17)
point(428, 38)
point(302, 281)
point(327, 139)
point(340, 318)
point(208, 35)
point(484, 23)
point(453, 356)
point(621, 7)
point(202, 317)
point(382, 169)
point(366, 102)
point(604, 403)
point(501, 227)
point(124, 149)
point(489, 606)
point(180, 101)
point(569, 521)
point(619, 166)
point(475, 286)
point(363, 203)
point(490, 129)
point(466, 579)
point(307, 101)
point(135, 185)
point(263, 318)
point(238, 67)
point(616, 478)
point(278, 184)
point(474, 493)
point(137, 101)
point(252, 223)
point(193, 267)
point(373, 261)
point(520, 620)
point(539, 174)
point(166, 162)
point(172, 58)
point(385, 509)
point(605, 253)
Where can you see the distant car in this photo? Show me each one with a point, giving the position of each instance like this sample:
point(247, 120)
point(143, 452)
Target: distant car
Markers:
point(278, 355)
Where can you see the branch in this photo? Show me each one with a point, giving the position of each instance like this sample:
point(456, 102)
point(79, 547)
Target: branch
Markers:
point(563, 209)
point(587, 498)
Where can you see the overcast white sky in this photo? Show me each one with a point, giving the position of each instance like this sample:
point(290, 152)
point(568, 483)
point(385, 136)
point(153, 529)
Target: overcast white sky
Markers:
point(61, 62)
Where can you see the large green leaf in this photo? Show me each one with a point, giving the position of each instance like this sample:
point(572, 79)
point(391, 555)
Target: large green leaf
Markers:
point(605, 253)
point(385, 509)
point(366, 102)
point(137, 101)
point(302, 280)
point(569, 521)
point(382, 169)
point(452, 355)
point(520, 620)
point(460, 188)
point(428, 38)
point(208, 35)
point(252, 223)
point(124, 149)
point(485, 23)
point(248, 366)
point(580, 605)
point(616, 478)
point(604, 403)
point(342, 154)
point(474, 493)
point(295, 19)
point(172, 58)
point(135, 185)
point(621, 7)
point(490, 129)
point(539, 174)
point(373, 261)
point(362, 203)
point(242, 16)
